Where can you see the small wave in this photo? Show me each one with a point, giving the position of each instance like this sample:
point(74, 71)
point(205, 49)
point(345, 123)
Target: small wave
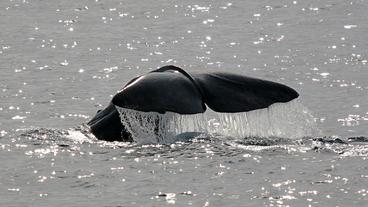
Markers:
point(352, 146)
point(348, 147)
point(190, 144)
point(80, 134)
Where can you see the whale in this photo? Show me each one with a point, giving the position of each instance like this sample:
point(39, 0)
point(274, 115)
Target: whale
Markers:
point(172, 89)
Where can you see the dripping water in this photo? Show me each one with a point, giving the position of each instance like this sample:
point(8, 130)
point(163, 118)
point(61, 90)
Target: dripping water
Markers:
point(286, 120)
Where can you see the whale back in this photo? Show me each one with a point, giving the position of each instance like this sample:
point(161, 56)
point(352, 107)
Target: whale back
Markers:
point(105, 125)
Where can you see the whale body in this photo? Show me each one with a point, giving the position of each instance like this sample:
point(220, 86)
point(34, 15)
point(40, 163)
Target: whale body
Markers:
point(171, 89)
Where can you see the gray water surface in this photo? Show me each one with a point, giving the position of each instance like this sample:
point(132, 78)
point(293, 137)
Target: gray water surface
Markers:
point(61, 61)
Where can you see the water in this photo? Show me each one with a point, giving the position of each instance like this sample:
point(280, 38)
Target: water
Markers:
point(291, 120)
point(62, 61)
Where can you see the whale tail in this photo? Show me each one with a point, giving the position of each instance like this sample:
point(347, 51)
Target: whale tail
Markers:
point(225, 92)
point(106, 125)
point(172, 89)
point(162, 90)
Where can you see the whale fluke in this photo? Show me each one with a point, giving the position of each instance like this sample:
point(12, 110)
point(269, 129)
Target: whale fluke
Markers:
point(225, 92)
point(171, 89)
point(161, 91)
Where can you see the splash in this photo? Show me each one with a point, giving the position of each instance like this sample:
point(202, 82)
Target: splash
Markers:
point(286, 120)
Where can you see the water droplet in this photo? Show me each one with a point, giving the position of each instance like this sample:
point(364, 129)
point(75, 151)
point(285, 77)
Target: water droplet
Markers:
point(350, 26)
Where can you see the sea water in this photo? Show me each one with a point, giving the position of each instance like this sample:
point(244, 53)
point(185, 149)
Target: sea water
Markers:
point(61, 61)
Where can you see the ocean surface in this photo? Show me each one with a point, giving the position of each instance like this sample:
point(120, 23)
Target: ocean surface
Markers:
point(61, 61)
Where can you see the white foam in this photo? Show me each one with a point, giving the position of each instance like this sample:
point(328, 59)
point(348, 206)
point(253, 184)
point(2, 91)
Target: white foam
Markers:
point(77, 135)
point(286, 120)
